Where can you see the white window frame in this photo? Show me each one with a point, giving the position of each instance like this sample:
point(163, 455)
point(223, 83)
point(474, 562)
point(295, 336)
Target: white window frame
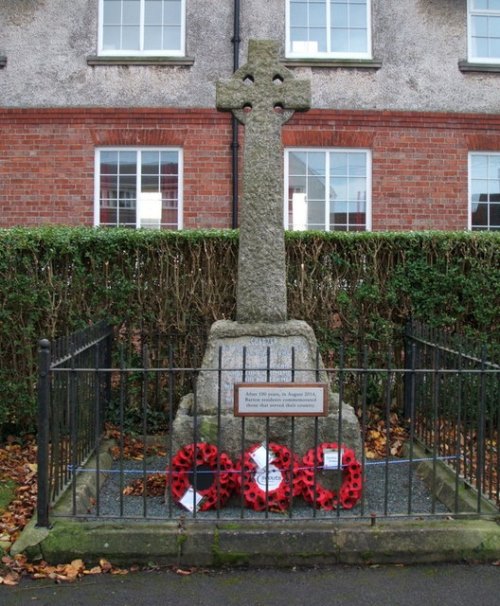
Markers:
point(470, 203)
point(330, 54)
point(471, 12)
point(139, 151)
point(327, 151)
point(141, 52)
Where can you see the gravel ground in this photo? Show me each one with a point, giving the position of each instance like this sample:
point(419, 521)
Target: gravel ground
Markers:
point(385, 492)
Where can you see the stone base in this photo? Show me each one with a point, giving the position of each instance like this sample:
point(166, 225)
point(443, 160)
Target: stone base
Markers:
point(251, 353)
point(233, 435)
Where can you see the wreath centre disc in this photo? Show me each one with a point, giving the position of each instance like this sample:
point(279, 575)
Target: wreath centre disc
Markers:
point(205, 477)
point(330, 478)
point(274, 478)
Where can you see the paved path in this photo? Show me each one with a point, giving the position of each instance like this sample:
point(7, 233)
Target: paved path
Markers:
point(456, 585)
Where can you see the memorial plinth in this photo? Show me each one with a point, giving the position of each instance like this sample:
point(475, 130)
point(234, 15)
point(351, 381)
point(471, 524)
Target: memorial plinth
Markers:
point(282, 352)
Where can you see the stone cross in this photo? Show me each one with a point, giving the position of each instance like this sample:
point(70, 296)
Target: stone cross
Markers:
point(263, 95)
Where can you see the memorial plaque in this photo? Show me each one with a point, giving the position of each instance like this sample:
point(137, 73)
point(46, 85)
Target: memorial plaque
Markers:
point(280, 399)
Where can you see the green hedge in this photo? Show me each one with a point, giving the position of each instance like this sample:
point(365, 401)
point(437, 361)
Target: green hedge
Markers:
point(346, 285)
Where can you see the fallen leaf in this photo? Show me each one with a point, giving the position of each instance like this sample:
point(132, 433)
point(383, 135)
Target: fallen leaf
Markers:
point(10, 579)
point(94, 570)
point(182, 572)
point(105, 565)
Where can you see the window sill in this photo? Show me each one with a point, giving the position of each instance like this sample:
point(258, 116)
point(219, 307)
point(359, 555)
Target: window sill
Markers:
point(335, 63)
point(465, 66)
point(94, 60)
point(3, 61)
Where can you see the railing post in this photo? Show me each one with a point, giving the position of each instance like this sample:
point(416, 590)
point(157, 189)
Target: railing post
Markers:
point(409, 352)
point(107, 364)
point(44, 360)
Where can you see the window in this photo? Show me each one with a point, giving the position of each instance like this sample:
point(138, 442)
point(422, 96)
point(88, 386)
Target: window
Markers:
point(484, 30)
point(141, 27)
point(139, 188)
point(329, 28)
point(328, 190)
point(484, 191)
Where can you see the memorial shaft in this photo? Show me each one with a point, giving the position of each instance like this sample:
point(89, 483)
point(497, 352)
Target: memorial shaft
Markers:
point(263, 95)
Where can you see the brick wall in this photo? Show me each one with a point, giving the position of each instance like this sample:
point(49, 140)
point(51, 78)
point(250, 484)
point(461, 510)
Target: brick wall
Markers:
point(419, 178)
point(419, 160)
point(47, 161)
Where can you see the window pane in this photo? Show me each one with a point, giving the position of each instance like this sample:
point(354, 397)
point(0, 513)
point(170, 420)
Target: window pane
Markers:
point(316, 163)
point(107, 216)
point(297, 184)
point(317, 17)
point(316, 188)
point(152, 37)
point(112, 12)
point(318, 35)
point(316, 215)
point(169, 163)
point(357, 41)
point(111, 38)
point(480, 47)
point(495, 215)
point(126, 217)
point(338, 163)
point(153, 12)
point(339, 185)
point(339, 15)
point(357, 15)
point(494, 167)
point(357, 189)
point(109, 163)
point(479, 166)
point(172, 13)
point(150, 183)
point(130, 38)
point(297, 162)
point(128, 162)
point(480, 215)
point(357, 164)
point(298, 13)
point(299, 34)
point(357, 219)
point(340, 40)
point(169, 219)
point(494, 48)
point(131, 12)
point(479, 188)
point(171, 38)
point(127, 187)
point(150, 162)
point(480, 26)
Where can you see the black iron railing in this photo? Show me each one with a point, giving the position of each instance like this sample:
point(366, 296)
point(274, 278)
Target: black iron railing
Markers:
point(452, 395)
point(73, 394)
point(429, 411)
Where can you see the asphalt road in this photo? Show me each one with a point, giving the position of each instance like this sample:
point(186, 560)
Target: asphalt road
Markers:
point(454, 585)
